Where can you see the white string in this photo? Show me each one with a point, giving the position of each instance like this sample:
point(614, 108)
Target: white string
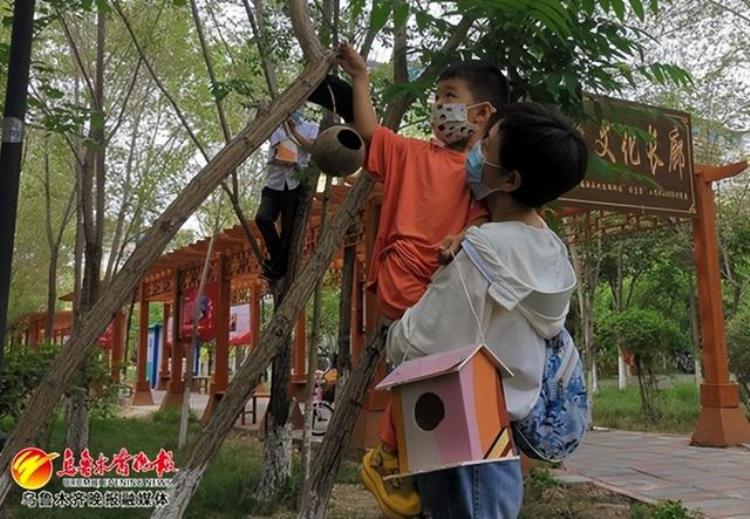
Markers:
point(471, 306)
point(468, 298)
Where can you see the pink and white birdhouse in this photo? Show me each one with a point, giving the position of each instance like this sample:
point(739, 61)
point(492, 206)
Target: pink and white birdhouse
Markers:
point(449, 410)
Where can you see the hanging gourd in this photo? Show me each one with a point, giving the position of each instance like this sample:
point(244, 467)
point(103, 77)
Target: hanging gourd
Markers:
point(339, 151)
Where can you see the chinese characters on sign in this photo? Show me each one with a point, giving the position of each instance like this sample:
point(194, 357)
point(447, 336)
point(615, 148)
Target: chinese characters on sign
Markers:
point(89, 471)
point(121, 463)
point(652, 146)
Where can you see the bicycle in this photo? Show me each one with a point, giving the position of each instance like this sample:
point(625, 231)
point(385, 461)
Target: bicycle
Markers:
point(322, 410)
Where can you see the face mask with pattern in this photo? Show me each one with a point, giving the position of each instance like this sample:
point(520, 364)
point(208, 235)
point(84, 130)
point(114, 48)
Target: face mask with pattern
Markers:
point(450, 121)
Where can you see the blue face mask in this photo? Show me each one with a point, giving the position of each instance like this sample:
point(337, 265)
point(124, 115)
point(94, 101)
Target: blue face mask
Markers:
point(474, 164)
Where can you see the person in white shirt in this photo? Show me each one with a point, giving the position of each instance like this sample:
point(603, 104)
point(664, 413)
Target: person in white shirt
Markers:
point(280, 196)
point(529, 158)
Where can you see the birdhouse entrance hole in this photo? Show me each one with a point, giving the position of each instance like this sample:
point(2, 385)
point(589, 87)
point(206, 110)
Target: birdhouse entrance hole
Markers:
point(429, 411)
point(349, 139)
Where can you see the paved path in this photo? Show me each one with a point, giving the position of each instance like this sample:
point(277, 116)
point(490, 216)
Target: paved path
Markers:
point(651, 468)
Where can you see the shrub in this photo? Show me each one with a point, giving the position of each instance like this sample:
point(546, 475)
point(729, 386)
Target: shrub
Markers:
point(23, 369)
point(647, 334)
point(738, 341)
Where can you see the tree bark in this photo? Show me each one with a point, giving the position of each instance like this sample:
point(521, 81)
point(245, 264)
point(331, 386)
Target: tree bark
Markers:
point(83, 340)
point(317, 489)
point(277, 452)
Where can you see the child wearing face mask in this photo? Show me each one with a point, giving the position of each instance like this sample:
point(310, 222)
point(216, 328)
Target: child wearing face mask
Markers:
point(425, 200)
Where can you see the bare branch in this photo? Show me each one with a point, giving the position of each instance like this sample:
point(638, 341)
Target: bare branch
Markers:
point(210, 68)
point(121, 115)
point(304, 31)
point(76, 54)
point(265, 55)
point(159, 83)
point(233, 194)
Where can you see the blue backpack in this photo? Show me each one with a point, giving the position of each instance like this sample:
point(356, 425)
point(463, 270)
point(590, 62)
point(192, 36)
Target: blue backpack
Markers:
point(559, 419)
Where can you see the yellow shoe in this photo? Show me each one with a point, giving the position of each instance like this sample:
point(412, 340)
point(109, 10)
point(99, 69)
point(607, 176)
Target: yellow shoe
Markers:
point(397, 497)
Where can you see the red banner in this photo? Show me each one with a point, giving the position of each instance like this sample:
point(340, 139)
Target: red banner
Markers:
point(207, 314)
point(107, 338)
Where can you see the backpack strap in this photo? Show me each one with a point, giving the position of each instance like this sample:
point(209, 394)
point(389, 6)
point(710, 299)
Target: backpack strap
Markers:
point(478, 261)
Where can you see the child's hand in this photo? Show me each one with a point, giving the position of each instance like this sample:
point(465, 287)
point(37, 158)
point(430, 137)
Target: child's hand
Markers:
point(350, 60)
point(448, 248)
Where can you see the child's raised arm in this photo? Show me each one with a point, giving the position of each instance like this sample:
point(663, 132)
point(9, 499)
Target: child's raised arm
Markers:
point(365, 120)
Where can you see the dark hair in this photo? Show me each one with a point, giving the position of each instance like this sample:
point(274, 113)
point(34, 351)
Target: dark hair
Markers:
point(545, 148)
point(486, 82)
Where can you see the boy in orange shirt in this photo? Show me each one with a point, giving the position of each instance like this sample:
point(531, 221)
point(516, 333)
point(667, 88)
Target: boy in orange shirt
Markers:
point(426, 201)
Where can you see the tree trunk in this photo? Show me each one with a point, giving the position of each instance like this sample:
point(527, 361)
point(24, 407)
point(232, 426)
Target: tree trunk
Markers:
point(51, 294)
point(317, 489)
point(277, 453)
point(149, 249)
point(77, 414)
point(194, 338)
point(79, 405)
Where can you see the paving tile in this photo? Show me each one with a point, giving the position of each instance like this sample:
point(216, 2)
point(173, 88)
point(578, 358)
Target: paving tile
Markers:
point(657, 467)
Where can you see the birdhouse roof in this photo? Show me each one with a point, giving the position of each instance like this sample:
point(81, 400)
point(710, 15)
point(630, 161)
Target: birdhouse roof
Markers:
point(451, 361)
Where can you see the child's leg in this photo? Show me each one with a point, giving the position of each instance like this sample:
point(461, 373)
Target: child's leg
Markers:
point(397, 497)
point(387, 431)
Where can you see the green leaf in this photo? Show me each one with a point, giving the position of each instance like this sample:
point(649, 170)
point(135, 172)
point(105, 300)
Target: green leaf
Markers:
point(356, 7)
point(400, 13)
point(379, 15)
point(423, 20)
point(637, 6)
point(618, 6)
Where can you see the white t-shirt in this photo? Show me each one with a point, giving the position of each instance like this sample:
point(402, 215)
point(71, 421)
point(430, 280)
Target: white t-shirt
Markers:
point(526, 303)
point(278, 175)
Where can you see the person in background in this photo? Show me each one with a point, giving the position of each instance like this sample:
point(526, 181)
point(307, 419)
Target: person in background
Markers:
point(289, 153)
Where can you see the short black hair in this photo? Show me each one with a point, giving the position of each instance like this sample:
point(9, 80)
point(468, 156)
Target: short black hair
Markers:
point(545, 148)
point(486, 82)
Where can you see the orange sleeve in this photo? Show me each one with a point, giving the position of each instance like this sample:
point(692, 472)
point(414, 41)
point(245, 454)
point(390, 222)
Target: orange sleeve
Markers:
point(477, 211)
point(386, 154)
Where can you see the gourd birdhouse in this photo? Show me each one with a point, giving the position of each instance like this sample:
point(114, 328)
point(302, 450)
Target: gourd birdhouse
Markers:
point(339, 151)
point(449, 410)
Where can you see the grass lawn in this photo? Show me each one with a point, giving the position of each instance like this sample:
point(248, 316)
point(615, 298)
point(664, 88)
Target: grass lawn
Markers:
point(678, 405)
point(227, 488)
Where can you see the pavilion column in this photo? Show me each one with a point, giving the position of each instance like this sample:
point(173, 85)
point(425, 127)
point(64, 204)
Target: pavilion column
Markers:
point(300, 347)
point(175, 387)
point(357, 332)
point(118, 336)
point(221, 366)
point(721, 421)
point(142, 394)
point(166, 350)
